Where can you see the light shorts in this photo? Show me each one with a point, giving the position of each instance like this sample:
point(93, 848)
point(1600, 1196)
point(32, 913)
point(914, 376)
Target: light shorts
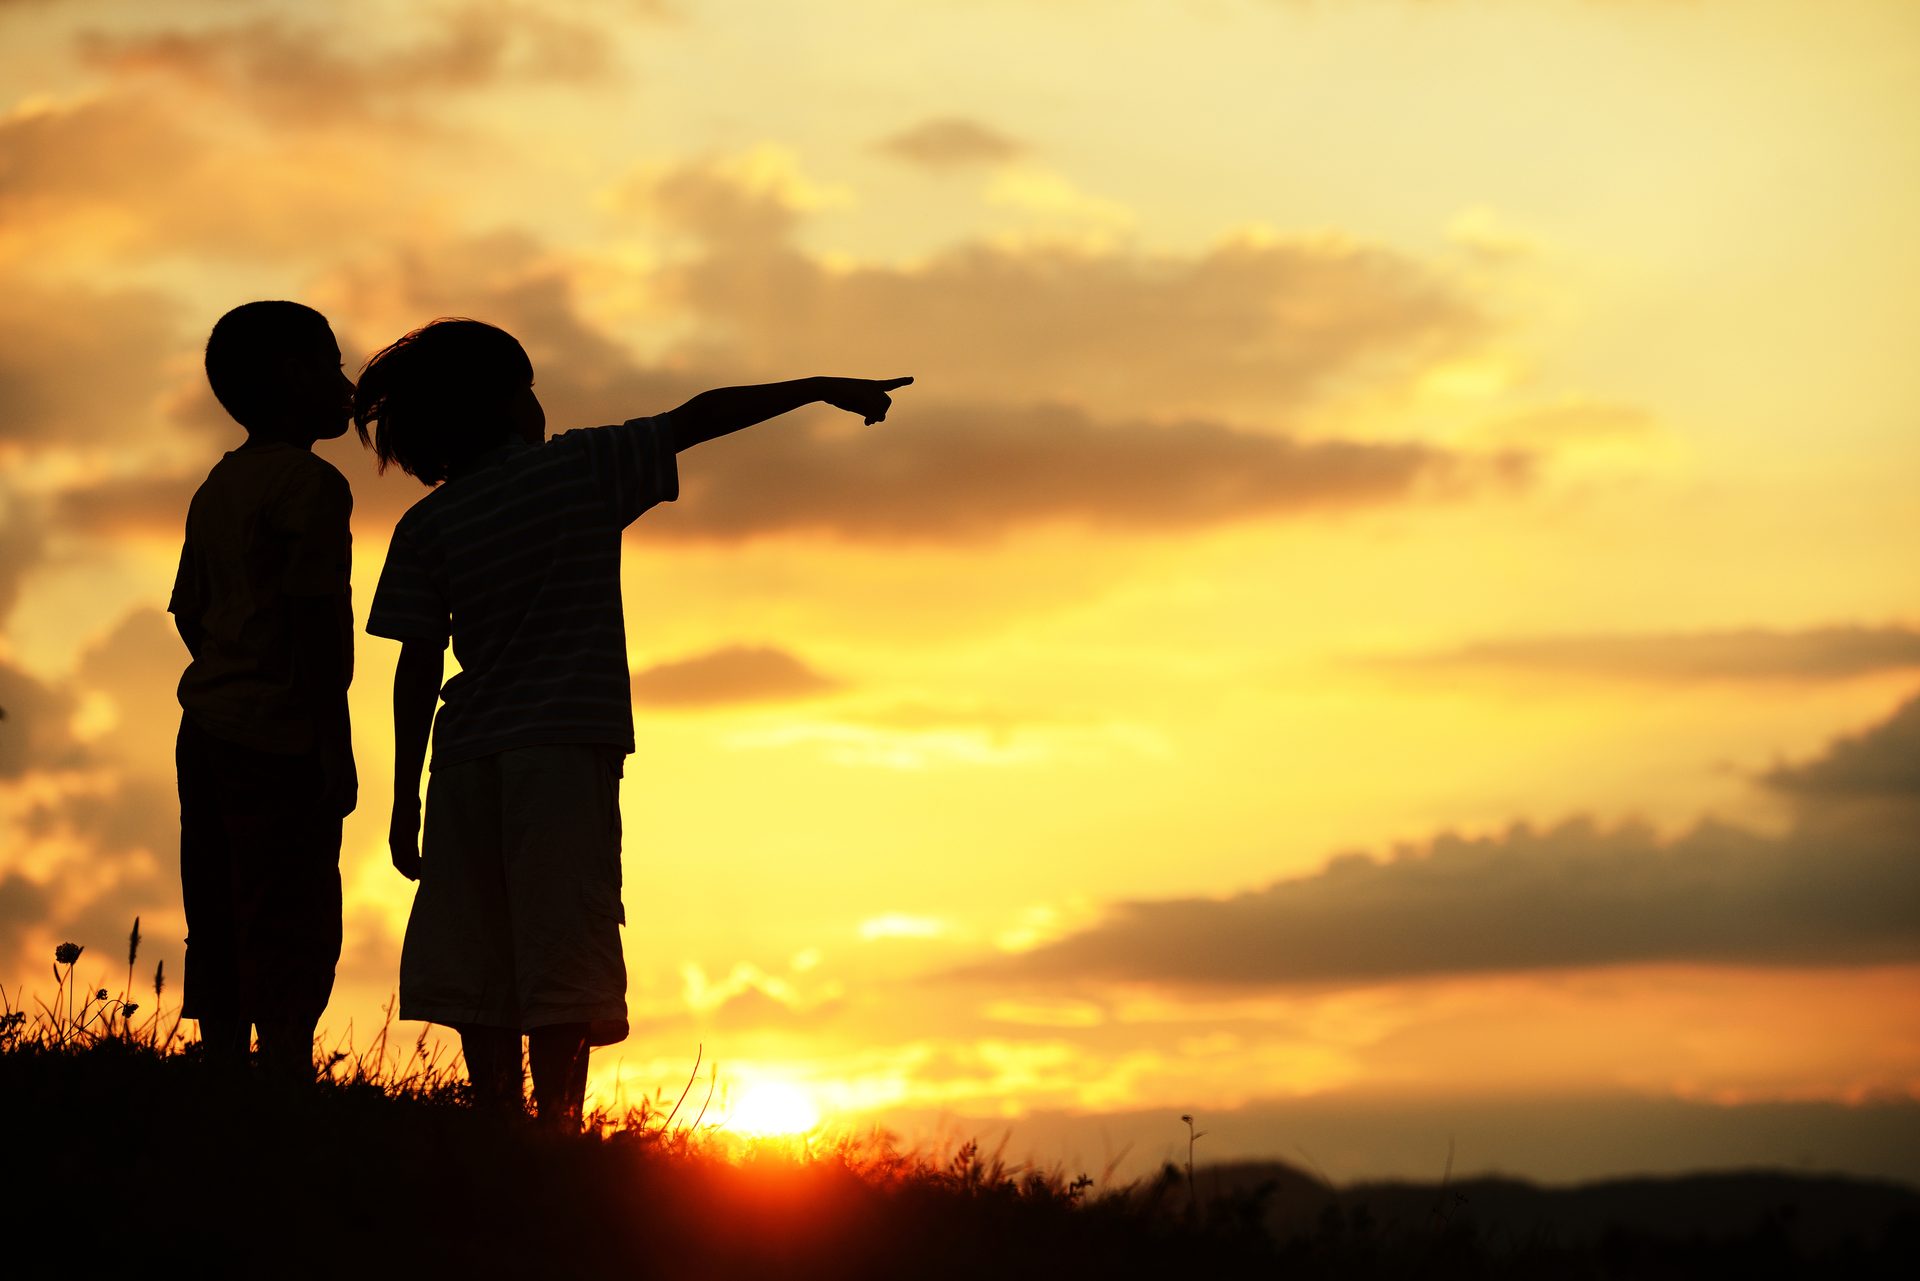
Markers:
point(517, 920)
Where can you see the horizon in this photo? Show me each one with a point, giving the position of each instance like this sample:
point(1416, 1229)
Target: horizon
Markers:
point(1389, 603)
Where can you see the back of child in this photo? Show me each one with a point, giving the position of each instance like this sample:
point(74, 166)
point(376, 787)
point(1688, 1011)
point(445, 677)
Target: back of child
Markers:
point(264, 755)
point(514, 559)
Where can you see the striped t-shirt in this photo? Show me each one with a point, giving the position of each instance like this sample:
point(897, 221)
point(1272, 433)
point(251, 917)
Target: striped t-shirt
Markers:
point(517, 560)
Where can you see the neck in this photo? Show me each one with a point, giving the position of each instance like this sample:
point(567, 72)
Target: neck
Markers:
point(261, 439)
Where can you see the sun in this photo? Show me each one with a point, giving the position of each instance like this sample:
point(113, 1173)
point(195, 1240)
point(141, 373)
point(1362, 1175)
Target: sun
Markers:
point(766, 1109)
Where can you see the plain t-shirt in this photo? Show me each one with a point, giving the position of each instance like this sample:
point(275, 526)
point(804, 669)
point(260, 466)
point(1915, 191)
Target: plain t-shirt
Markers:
point(269, 523)
point(516, 559)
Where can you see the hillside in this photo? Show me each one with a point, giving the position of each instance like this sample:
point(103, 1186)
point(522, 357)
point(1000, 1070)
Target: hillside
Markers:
point(119, 1156)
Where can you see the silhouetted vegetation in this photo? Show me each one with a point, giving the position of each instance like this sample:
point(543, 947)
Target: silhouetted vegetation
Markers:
point(123, 1142)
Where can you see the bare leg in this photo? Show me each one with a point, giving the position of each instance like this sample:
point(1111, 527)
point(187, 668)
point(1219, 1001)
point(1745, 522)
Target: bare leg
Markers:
point(559, 1055)
point(286, 1048)
point(226, 1042)
point(493, 1065)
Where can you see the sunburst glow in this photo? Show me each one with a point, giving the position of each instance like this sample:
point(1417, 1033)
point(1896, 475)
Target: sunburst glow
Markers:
point(768, 1109)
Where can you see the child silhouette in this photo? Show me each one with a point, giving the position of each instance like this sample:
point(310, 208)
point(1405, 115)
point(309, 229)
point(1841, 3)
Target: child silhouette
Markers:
point(265, 757)
point(514, 558)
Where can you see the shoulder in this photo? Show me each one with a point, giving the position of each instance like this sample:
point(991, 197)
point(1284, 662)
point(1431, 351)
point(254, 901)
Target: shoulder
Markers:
point(590, 437)
point(313, 482)
point(418, 520)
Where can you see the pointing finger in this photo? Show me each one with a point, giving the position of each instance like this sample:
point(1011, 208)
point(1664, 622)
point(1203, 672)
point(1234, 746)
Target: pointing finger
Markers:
point(888, 384)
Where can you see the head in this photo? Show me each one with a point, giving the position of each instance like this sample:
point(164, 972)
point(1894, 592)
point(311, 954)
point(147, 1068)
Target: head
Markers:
point(444, 394)
point(276, 368)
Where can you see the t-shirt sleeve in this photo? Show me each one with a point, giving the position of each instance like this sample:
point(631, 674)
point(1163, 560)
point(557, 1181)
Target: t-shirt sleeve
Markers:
point(635, 463)
point(316, 516)
point(408, 603)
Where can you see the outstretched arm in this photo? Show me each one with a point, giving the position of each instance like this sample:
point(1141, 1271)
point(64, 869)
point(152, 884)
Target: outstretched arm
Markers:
point(728, 409)
point(416, 693)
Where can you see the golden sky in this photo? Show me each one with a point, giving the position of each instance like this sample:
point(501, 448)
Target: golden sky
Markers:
point(1392, 595)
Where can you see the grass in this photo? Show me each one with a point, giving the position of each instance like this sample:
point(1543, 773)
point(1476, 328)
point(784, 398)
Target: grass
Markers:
point(124, 1149)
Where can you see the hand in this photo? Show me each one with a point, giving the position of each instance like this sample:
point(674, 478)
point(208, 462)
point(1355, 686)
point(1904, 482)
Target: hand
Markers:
point(864, 396)
point(339, 781)
point(403, 839)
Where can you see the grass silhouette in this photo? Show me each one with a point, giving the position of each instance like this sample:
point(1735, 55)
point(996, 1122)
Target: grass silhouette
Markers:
point(383, 1168)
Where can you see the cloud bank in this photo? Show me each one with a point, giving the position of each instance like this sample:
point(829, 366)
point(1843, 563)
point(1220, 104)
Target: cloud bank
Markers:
point(1837, 888)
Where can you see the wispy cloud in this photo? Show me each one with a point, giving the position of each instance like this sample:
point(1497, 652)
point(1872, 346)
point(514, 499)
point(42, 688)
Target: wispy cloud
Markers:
point(1739, 654)
point(304, 75)
point(951, 142)
point(732, 674)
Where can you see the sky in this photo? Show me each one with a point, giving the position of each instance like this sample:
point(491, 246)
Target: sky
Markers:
point(1386, 619)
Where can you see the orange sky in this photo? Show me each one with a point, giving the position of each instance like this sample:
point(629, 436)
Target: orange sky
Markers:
point(1393, 587)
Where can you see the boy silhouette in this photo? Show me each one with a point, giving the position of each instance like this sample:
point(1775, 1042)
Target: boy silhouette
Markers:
point(265, 757)
point(514, 557)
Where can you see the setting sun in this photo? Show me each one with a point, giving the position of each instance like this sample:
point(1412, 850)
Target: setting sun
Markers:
point(1386, 612)
point(768, 1109)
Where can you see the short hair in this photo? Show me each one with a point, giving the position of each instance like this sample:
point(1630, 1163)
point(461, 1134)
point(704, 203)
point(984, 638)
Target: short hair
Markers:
point(440, 395)
point(244, 349)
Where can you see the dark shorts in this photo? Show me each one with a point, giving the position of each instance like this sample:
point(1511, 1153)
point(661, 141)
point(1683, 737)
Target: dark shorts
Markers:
point(260, 873)
point(516, 923)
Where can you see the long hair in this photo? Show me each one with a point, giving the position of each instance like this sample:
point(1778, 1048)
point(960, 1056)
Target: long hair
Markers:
point(440, 395)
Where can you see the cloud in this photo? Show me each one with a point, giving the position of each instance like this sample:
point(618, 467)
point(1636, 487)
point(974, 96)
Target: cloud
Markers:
point(137, 668)
point(1883, 762)
point(54, 153)
point(79, 366)
point(35, 730)
point(1260, 323)
point(950, 142)
point(943, 473)
point(126, 506)
point(93, 822)
point(293, 74)
point(1836, 889)
point(733, 674)
point(123, 171)
point(22, 542)
point(1823, 653)
point(965, 461)
point(1245, 327)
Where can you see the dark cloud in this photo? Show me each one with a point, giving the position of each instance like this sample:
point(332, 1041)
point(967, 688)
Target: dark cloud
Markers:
point(1837, 888)
point(51, 155)
point(951, 142)
point(1265, 329)
point(129, 506)
point(1822, 653)
point(22, 542)
point(126, 171)
point(734, 674)
point(296, 74)
point(78, 366)
point(23, 903)
point(943, 473)
point(941, 470)
point(36, 730)
point(1883, 762)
